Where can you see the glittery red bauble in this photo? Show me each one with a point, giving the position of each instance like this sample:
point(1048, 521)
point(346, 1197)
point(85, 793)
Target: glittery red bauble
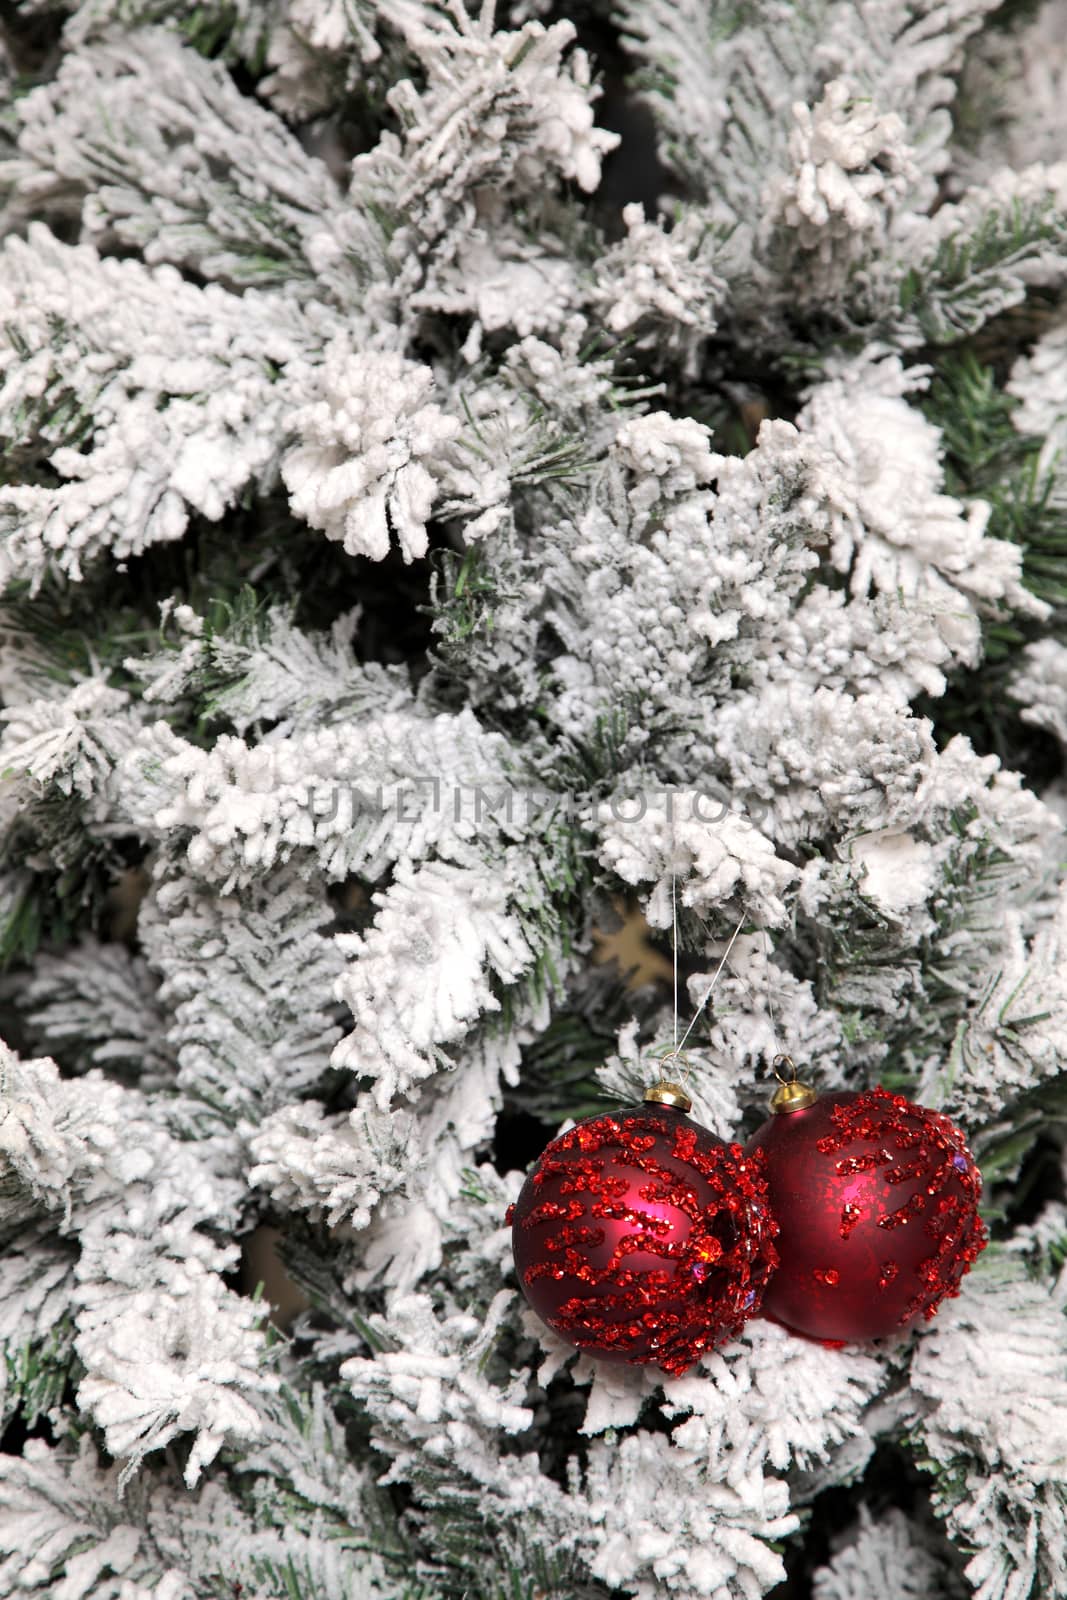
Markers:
point(877, 1207)
point(639, 1236)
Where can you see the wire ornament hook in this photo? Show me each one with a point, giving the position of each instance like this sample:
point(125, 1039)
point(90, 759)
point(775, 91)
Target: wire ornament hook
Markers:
point(791, 1094)
point(674, 948)
point(781, 1061)
point(710, 990)
point(666, 1091)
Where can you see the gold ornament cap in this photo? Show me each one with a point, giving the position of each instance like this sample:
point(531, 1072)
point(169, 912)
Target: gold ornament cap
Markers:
point(790, 1095)
point(664, 1093)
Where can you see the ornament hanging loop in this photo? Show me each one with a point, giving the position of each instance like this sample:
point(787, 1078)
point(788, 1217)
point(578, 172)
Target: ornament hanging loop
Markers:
point(790, 1095)
point(785, 1061)
point(665, 1091)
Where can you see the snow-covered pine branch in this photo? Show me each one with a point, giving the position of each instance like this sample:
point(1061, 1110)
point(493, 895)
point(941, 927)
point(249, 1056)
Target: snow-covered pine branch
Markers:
point(165, 1347)
point(417, 551)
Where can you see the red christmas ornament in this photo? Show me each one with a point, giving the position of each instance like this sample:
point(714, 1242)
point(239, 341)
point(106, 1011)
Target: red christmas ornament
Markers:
point(877, 1207)
point(640, 1237)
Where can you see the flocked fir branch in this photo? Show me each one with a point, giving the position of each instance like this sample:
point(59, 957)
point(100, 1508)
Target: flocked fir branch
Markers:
point(415, 545)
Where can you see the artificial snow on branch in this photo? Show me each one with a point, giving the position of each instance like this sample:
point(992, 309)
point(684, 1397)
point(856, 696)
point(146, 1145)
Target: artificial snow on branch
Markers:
point(146, 396)
point(428, 541)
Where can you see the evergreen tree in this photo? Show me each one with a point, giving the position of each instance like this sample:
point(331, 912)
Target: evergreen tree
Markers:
point(428, 524)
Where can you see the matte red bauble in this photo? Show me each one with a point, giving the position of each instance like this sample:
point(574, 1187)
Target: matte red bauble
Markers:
point(877, 1206)
point(639, 1236)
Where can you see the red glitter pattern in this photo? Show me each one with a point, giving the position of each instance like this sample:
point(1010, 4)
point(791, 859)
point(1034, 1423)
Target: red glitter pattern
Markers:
point(640, 1237)
point(877, 1203)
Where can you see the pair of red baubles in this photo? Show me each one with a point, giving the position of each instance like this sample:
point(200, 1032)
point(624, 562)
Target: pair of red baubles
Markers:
point(639, 1236)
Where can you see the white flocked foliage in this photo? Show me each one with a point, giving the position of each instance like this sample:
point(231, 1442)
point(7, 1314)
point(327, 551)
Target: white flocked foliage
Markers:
point(885, 1557)
point(166, 1347)
point(1040, 686)
point(218, 182)
point(170, 383)
point(998, 1425)
point(425, 533)
point(358, 466)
